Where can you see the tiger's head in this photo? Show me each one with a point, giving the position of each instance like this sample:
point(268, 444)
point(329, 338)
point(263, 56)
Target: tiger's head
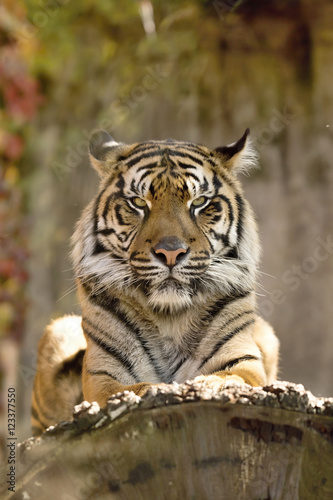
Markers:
point(169, 222)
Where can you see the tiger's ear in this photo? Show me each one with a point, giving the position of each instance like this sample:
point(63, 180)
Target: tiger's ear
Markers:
point(240, 156)
point(104, 151)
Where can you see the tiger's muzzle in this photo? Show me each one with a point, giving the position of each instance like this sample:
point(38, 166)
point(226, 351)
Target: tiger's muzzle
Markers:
point(170, 250)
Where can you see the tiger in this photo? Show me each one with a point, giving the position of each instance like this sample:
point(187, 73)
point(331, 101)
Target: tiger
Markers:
point(165, 259)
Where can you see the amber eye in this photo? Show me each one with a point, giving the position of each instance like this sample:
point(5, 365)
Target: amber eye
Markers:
point(199, 202)
point(139, 202)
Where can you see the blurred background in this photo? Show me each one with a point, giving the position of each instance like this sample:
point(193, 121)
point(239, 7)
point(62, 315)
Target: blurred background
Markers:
point(195, 70)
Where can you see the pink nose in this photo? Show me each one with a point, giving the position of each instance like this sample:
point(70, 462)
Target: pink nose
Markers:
point(169, 249)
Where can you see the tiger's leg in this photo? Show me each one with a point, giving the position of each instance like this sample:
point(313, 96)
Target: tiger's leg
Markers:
point(269, 345)
point(97, 380)
point(244, 373)
point(57, 385)
point(255, 359)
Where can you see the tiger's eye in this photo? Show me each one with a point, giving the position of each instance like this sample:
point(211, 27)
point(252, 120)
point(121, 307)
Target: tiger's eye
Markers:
point(198, 202)
point(139, 202)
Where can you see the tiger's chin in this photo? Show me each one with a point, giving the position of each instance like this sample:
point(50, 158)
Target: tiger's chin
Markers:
point(170, 298)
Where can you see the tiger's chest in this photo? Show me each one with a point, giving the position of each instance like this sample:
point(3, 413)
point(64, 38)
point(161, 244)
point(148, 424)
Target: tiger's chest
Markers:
point(175, 347)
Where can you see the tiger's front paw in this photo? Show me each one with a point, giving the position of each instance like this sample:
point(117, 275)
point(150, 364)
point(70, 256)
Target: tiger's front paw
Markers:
point(218, 381)
point(154, 389)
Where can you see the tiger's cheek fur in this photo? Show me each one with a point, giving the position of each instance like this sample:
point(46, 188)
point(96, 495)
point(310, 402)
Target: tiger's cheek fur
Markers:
point(117, 224)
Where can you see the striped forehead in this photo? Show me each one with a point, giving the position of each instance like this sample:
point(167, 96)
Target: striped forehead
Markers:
point(168, 165)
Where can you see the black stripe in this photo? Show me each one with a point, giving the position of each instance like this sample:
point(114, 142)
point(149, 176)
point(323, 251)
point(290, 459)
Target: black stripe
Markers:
point(192, 176)
point(147, 276)
point(111, 305)
point(232, 253)
point(107, 347)
point(231, 212)
point(98, 199)
point(222, 237)
point(225, 339)
point(191, 275)
point(138, 158)
point(240, 206)
point(146, 268)
point(102, 372)
point(239, 315)
point(175, 370)
point(194, 268)
point(204, 185)
point(217, 183)
point(142, 147)
point(112, 196)
point(195, 149)
point(105, 232)
point(192, 148)
point(217, 218)
point(187, 145)
point(134, 187)
point(150, 166)
point(119, 216)
point(221, 304)
point(99, 248)
point(143, 176)
point(186, 165)
point(230, 364)
point(120, 184)
point(108, 303)
point(115, 256)
point(209, 157)
point(132, 236)
point(180, 154)
point(226, 179)
point(134, 254)
point(151, 189)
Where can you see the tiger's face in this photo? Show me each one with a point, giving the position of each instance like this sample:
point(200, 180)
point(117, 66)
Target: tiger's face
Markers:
point(171, 221)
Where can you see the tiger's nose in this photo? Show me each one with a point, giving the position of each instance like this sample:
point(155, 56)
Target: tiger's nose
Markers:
point(170, 250)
